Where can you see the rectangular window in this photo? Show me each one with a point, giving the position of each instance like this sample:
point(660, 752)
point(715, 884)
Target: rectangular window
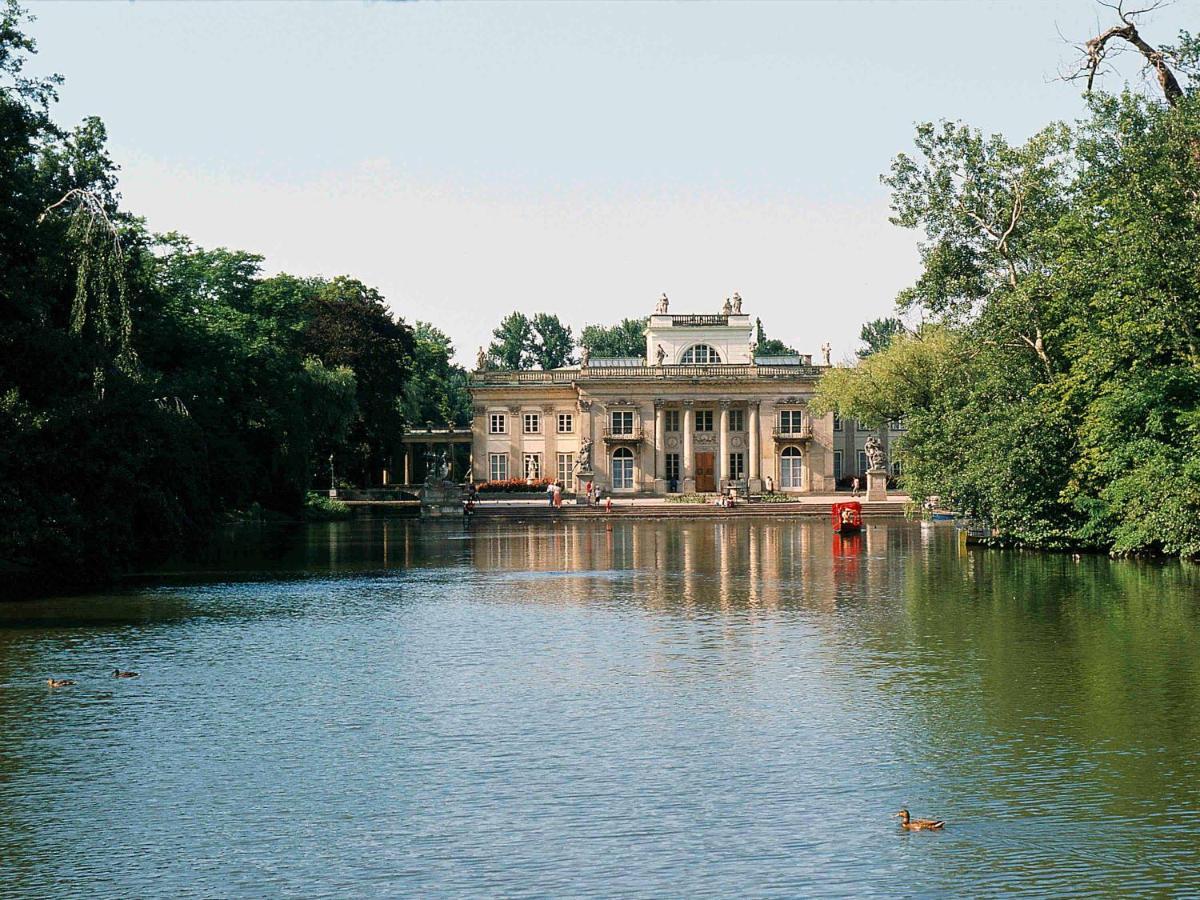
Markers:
point(737, 466)
point(566, 471)
point(837, 423)
point(837, 464)
point(533, 423)
point(498, 466)
point(737, 420)
point(566, 423)
point(533, 466)
point(896, 424)
point(860, 426)
point(704, 420)
point(672, 420)
point(496, 423)
point(862, 463)
point(672, 461)
point(791, 421)
point(622, 422)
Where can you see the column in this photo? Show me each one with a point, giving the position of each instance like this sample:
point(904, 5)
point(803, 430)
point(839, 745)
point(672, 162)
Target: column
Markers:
point(660, 448)
point(689, 457)
point(550, 443)
point(754, 473)
point(723, 446)
point(408, 464)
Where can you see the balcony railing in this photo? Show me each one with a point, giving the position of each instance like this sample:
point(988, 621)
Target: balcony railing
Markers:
point(793, 432)
point(710, 372)
point(622, 435)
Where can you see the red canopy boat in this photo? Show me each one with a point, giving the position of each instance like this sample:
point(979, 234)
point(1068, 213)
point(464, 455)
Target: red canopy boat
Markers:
point(847, 517)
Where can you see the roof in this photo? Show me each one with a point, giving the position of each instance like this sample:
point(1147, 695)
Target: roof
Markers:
point(792, 359)
point(617, 361)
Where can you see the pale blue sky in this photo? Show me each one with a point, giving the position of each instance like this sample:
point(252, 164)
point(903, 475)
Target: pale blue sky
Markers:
point(469, 159)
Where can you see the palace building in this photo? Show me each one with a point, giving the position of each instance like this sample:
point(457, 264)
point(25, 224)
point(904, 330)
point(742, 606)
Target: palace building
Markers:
point(699, 412)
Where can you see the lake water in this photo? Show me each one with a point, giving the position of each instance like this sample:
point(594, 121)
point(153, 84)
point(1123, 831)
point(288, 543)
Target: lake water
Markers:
point(682, 708)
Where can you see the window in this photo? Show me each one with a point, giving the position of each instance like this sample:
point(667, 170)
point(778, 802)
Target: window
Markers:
point(737, 466)
point(622, 469)
point(496, 423)
point(860, 426)
point(862, 463)
point(498, 466)
point(622, 422)
point(791, 468)
point(533, 423)
point(672, 420)
point(700, 354)
point(566, 471)
point(566, 423)
point(533, 466)
point(704, 420)
point(791, 421)
point(837, 422)
point(837, 465)
point(672, 461)
point(737, 420)
point(896, 424)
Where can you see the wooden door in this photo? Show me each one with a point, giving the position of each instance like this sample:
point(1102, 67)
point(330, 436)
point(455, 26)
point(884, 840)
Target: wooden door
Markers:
point(704, 472)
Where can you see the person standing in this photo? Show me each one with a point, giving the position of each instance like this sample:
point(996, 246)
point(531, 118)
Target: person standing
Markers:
point(854, 486)
point(590, 493)
point(557, 495)
point(608, 503)
point(550, 493)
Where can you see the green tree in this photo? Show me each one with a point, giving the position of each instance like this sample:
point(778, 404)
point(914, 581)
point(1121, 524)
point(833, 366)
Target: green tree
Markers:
point(764, 346)
point(877, 334)
point(551, 343)
point(512, 343)
point(626, 339)
point(437, 390)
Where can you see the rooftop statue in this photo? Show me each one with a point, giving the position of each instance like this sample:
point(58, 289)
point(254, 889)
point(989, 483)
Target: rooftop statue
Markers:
point(826, 349)
point(727, 309)
point(737, 303)
point(480, 361)
point(585, 356)
point(660, 354)
point(663, 303)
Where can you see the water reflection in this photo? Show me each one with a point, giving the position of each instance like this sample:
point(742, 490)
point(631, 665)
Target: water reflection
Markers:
point(589, 708)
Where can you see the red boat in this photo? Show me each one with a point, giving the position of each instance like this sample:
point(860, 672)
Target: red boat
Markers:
point(847, 517)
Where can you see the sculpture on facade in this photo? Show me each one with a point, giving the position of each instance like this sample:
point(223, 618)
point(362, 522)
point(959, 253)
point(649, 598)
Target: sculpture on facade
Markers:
point(727, 309)
point(480, 360)
point(659, 355)
point(585, 357)
point(874, 450)
point(437, 467)
point(661, 308)
point(737, 303)
point(826, 349)
point(584, 463)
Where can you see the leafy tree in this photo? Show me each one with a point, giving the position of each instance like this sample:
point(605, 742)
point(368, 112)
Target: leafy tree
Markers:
point(513, 341)
point(764, 346)
point(878, 334)
point(552, 343)
point(627, 339)
point(437, 389)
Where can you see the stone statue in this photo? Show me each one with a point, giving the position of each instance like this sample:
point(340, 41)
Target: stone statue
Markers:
point(826, 349)
point(874, 450)
point(585, 357)
point(480, 361)
point(659, 355)
point(584, 463)
point(437, 468)
point(663, 303)
point(727, 309)
point(531, 471)
point(737, 303)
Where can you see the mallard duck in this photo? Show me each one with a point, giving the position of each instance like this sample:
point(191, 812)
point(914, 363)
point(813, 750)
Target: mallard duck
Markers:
point(910, 824)
point(59, 682)
point(117, 673)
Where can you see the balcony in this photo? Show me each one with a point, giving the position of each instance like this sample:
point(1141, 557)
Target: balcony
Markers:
point(792, 433)
point(622, 435)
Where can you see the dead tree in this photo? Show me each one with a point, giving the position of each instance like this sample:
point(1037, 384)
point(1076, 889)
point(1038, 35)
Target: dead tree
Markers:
point(1098, 49)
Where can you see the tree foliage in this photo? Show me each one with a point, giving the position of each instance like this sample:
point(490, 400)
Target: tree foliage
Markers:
point(877, 334)
point(765, 346)
point(625, 339)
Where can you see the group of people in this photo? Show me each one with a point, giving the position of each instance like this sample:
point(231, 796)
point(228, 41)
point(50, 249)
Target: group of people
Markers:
point(590, 491)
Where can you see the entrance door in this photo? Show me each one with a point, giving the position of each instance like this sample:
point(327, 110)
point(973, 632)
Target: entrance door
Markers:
point(704, 472)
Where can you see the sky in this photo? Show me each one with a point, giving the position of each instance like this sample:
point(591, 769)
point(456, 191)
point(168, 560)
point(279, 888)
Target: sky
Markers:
point(469, 159)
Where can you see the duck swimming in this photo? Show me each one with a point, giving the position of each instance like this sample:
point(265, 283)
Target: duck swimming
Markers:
point(908, 823)
point(59, 682)
point(118, 673)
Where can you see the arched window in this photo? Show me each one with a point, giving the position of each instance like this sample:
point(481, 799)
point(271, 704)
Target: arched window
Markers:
point(622, 469)
point(699, 354)
point(791, 465)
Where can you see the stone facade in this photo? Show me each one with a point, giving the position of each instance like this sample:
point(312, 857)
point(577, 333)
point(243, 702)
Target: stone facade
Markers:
point(699, 413)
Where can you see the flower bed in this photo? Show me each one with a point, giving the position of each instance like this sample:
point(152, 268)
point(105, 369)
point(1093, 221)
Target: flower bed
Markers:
point(513, 486)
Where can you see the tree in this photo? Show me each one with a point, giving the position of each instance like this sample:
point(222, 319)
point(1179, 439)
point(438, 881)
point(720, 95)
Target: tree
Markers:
point(764, 346)
point(627, 339)
point(513, 340)
point(878, 334)
point(552, 343)
point(437, 389)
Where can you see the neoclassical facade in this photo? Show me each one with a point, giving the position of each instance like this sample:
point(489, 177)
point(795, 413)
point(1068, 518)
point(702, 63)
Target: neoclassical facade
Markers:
point(700, 412)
